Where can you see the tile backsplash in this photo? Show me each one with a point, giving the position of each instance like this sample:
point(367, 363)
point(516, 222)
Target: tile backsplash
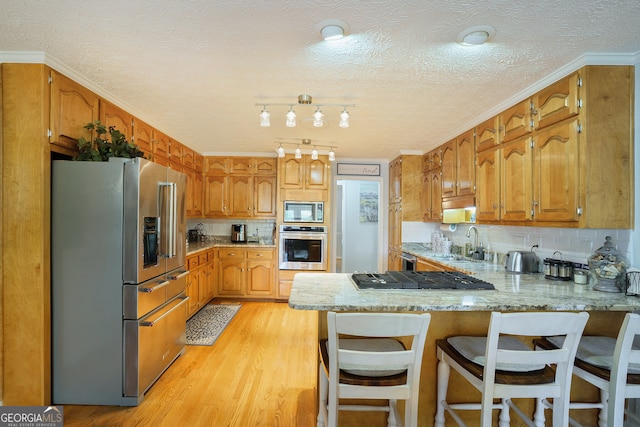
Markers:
point(261, 229)
point(575, 245)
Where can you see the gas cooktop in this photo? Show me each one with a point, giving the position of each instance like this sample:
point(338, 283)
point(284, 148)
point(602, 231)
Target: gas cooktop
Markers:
point(419, 280)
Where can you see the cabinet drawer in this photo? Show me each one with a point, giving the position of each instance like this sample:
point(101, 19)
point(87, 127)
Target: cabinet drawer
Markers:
point(260, 253)
point(192, 262)
point(231, 253)
point(203, 258)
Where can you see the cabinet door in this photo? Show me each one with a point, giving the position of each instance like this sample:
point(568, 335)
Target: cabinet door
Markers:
point(215, 165)
point(264, 196)
point(487, 135)
point(515, 122)
point(557, 102)
point(265, 166)
point(231, 277)
point(187, 157)
point(210, 280)
point(395, 181)
point(197, 195)
point(426, 196)
point(488, 177)
point(291, 172)
point(260, 278)
point(515, 184)
point(466, 166)
point(449, 169)
point(72, 107)
point(198, 162)
point(143, 137)
point(436, 195)
point(110, 115)
point(193, 291)
point(240, 196)
point(175, 151)
point(215, 196)
point(556, 172)
point(160, 145)
point(241, 165)
point(316, 173)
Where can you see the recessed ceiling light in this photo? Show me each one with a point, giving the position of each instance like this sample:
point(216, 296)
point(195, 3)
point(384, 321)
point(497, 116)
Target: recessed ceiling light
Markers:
point(333, 29)
point(477, 35)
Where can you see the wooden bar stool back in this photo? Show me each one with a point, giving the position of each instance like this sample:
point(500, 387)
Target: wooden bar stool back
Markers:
point(501, 366)
point(364, 359)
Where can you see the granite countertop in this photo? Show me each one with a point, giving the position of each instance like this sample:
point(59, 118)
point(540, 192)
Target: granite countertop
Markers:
point(223, 242)
point(514, 292)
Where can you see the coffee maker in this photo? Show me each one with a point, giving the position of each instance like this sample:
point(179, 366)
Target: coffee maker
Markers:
point(238, 233)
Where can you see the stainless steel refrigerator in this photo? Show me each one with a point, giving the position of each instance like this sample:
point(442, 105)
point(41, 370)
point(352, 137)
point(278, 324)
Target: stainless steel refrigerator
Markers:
point(118, 278)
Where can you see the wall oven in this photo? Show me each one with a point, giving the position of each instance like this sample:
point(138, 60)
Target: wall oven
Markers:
point(303, 248)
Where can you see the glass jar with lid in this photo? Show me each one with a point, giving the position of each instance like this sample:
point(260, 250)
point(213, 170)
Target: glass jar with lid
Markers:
point(609, 267)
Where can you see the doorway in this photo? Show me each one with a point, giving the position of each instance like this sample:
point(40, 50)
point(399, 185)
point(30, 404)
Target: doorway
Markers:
point(358, 226)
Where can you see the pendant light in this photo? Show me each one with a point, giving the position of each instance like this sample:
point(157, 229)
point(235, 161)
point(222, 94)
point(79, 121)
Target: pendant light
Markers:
point(314, 154)
point(332, 155)
point(291, 118)
point(280, 151)
point(317, 118)
point(264, 117)
point(298, 152)
point(344, 118)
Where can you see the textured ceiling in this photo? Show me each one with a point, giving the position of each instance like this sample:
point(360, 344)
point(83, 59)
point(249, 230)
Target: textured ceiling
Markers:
point(195, 69)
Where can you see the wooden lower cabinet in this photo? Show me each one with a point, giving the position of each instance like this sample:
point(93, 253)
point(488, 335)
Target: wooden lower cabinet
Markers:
point(201, 283)
point(246, 272)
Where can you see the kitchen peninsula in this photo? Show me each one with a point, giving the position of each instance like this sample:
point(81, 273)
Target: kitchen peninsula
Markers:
point(459, 312)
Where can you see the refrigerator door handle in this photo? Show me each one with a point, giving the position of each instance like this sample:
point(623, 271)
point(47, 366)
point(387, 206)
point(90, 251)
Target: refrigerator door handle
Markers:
point(169, 210)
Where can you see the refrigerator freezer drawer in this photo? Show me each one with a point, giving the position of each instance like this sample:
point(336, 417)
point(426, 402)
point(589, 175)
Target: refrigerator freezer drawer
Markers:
point(139, 300)
point(151, 344)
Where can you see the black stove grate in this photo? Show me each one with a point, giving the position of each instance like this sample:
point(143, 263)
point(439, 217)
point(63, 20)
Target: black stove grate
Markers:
point(449, 280)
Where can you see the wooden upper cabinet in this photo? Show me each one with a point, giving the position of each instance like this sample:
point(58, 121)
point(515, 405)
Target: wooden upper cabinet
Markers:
point(487, 134)
point(161, 146)
point(488, 200)
point(304, 173)
point(175, 151)
point(187, 157)
point(432, 160)
point(395, 180)
point(113, 116)
point(143, 137)
point(265, 166)
point(72, 107)
point(465, 164)
point(557, 102)
point(198, 162)
point(216, 165)
point(449, 169)
point(240, 165)
point(264, 196)
point(516, 179)
point(317, 172)
point(240, 196)
point(516, 121)
point(556, 172)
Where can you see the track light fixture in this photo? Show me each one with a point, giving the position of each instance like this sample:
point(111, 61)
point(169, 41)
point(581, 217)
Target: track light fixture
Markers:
point(298, 151)
point(304, 101)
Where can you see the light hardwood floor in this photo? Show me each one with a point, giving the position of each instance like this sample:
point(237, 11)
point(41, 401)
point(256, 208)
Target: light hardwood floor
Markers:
point(260, 372)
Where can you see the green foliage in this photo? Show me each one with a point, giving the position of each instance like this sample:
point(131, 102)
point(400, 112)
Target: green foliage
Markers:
point(100, 149)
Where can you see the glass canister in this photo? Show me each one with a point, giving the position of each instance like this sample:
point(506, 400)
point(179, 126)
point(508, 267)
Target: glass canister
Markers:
point(609, 267)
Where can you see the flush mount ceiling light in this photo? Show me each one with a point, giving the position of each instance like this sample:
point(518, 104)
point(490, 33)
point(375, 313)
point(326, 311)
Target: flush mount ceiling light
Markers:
point(476, 36)
point(304, 101)
point(305, 142)
point(333, 29)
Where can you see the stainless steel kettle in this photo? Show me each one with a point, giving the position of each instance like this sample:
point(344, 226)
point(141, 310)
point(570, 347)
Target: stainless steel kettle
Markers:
point(239, 233)
point(521, 262)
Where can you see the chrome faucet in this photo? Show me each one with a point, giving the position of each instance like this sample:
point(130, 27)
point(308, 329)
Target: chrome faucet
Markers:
point(469, 235)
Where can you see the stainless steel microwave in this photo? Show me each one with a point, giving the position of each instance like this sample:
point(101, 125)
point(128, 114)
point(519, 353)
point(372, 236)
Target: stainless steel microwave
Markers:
point(295, 211)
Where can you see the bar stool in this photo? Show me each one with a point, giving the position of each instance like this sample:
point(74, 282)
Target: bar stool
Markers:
point(612, 365)
point(364, 359)
point(502, 366)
